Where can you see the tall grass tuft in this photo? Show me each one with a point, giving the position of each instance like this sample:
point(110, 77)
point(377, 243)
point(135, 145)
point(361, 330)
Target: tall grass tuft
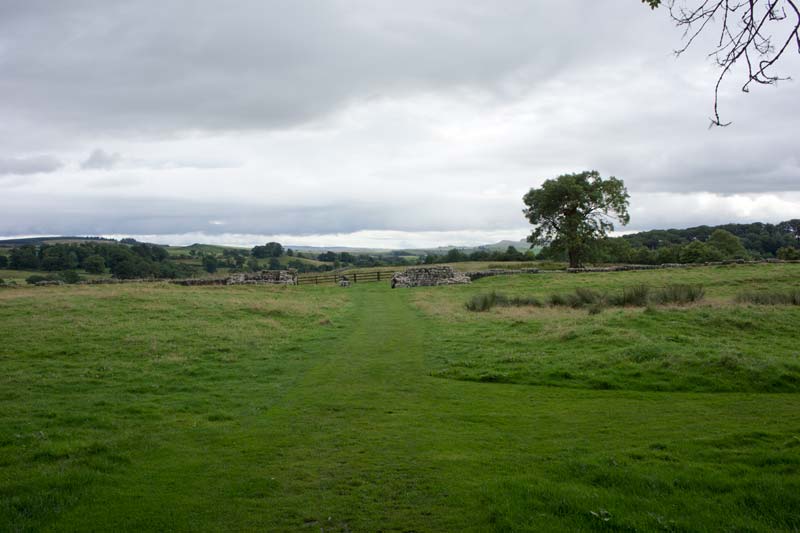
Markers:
point(557, 299)
point(486, 301)
point(523, 301)
point(636, 296)
point(679, 294)
point(790, 297)
point(585, 296)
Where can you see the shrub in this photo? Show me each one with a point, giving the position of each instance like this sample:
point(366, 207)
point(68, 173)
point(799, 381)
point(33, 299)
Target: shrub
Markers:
point(788, 253)
point(790, 297)
point(94, 264)
point(69, 276)
point(679, 294)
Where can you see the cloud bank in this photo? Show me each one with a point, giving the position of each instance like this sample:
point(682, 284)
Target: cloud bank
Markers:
point(358, 118)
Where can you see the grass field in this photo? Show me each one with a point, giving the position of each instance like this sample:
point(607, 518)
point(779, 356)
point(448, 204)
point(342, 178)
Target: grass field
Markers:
point(156, 407)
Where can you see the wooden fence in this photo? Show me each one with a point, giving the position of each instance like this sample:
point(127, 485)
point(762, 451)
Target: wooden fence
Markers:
point(352, 277)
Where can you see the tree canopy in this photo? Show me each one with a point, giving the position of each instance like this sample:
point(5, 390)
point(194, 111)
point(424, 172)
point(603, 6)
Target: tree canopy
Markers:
point(271, 249)
point(573, 211)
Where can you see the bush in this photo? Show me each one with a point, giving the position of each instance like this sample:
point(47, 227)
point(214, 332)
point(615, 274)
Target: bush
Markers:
point(210, 263)
point(69, 276)
point(787, 253)
point(679, 294)
point(94, 264)
point(791, 297)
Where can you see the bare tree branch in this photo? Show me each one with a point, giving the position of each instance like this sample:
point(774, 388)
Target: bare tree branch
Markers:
point(745, 35)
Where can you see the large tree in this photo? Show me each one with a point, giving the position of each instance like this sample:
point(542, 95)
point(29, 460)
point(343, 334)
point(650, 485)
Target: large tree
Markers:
point(573, 211)
point(752, 33)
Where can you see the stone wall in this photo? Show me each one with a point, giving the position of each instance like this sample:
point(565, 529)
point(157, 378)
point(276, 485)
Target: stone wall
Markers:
point(265, 277)
point(428, 277)
point(499, 272)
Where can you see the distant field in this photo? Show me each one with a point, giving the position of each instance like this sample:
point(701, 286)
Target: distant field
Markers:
point(154, 407)
point(468, 266)
point(19, 276)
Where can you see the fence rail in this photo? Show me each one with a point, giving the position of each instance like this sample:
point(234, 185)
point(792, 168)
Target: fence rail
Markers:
point(352, 277)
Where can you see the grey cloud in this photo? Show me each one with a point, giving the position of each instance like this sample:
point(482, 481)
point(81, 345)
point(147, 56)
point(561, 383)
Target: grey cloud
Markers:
point(29, 165)
point(292, 78)
point(114, 66)
point(101, 160)
point(152, 215)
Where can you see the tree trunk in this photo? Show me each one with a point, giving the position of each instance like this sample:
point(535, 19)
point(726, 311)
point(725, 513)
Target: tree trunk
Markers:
point(574, 258)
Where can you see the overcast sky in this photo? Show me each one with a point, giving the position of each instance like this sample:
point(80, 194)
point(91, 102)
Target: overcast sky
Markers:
point(369, 122)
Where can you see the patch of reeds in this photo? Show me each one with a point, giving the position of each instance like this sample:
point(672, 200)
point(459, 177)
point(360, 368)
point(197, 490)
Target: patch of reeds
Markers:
point(635, 296)
point(790, 297)
point(485, 301)
point(595, 301)
point(680, 294)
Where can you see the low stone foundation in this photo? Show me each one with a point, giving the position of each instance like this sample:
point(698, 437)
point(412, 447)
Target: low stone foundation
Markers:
point(499, 272)
point(428, 277)
point(265, 277)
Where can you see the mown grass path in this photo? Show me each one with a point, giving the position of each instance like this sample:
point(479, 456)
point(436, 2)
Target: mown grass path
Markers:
point(365, 439)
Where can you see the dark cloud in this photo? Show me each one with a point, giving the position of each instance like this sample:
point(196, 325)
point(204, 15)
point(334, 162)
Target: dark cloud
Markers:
point(116, 66)
point(101, 160)
point(153, 215)
point(29, 165)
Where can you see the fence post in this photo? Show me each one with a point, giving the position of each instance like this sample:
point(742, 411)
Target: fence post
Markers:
point(355, 277)
point(379, 275)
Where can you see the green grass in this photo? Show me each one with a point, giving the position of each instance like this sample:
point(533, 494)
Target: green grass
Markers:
point(19, 276)
point(715, 345)
point(156, 407)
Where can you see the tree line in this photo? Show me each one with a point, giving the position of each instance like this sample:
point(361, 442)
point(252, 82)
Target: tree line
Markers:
point(138, 260)
point(695, 245)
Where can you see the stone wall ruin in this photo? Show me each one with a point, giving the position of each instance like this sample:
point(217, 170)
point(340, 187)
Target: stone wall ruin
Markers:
point(428, 276)
point(265, 277)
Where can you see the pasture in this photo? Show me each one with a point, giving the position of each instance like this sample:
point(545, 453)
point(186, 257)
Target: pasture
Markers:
point(154, 407)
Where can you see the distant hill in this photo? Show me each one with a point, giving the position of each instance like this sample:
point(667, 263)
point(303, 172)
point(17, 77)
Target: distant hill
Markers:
point(316, 250)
